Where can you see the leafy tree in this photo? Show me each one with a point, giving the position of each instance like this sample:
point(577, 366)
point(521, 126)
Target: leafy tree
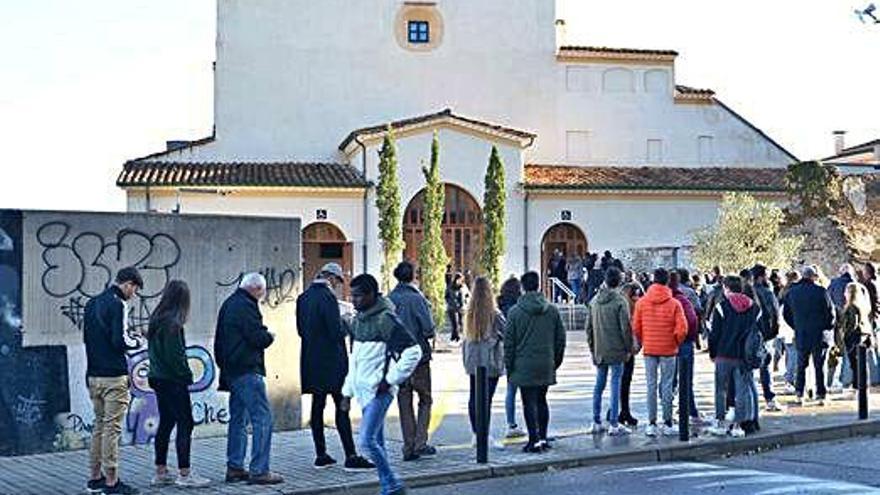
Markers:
point(432, 254)
point(388, 203)
point(747, 231)
point(493, 217)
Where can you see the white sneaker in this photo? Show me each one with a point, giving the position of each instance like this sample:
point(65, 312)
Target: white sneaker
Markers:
point(718, 429)
point(618, 431)
point(596, 428)
point(789, 389)
point(669, 431)
point(836, 387)
point(496, 443)
point(166, 479)
point(651, 430)
point(731, 415)
point(737, 432)
point(515, 432)
point(192, 481)
point(772, 406)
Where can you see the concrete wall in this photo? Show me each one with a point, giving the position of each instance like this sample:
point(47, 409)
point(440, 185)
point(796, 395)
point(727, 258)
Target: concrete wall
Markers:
point(58, 261)
point(318, 70)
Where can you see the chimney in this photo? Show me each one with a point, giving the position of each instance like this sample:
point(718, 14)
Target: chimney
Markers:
point(561, 38)
point(839, 141)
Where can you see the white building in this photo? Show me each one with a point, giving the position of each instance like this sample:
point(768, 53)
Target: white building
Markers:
point(860, 159)
point(602, 149)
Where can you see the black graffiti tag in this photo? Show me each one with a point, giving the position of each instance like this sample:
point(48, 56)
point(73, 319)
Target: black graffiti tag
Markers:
point(280, 284)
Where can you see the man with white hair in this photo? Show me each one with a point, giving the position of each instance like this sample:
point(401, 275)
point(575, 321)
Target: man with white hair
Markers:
point(239, 345)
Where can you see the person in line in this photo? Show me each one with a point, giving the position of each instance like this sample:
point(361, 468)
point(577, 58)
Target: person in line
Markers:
point(240, 342)
point(688, 288)
point(660, 325)
point(557, 269)
point(455, 304)
point(170, 377)
point(324, 363)
point(595, 277)
point(414, 311)
point(838, 285)
point(107, 379)
point(769, 325)
point(483, 346)
point(534, 346)
point(686, 349)
point(809, 310)
point(511, 291)
point(383, 356)
point(575, 268)
point(855, 326)
point(632, 292)
point(732, 319)
point(872, 283)
point(611, 344)
point(786, 335)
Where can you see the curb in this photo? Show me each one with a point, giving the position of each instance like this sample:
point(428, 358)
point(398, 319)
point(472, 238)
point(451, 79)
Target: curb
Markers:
point(682, 452)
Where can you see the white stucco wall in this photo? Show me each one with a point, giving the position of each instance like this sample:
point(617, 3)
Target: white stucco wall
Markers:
point(294, 77)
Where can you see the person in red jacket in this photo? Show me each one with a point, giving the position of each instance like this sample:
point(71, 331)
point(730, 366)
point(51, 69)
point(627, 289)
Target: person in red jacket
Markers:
point(660, 325)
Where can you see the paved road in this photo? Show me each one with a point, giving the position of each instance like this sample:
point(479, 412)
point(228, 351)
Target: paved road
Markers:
point(850, 467)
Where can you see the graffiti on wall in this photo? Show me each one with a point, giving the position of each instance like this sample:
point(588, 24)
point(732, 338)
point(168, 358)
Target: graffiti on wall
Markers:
point(281, 284)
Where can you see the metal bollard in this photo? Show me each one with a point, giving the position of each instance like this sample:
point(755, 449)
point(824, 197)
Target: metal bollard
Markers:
point(683, 400)
point(863, 382)
point(482, 414)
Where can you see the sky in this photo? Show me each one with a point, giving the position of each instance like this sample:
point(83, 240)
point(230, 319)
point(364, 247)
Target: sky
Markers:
point(86, 85)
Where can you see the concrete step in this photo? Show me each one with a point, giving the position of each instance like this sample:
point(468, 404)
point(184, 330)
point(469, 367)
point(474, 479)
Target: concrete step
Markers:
point(574, 316)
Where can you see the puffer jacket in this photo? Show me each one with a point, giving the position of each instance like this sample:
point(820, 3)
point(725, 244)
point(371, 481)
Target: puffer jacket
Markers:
point(382, 349)
point(659, 322)
point(488, 352)
point(608, 328)
point(534, 342)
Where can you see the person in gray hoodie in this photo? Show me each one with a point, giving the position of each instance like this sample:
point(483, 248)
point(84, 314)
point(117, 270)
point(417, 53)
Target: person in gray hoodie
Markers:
point(611, 344)
point(414, 311)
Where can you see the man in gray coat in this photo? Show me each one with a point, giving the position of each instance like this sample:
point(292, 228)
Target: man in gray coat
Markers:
point(415, 314)
point(611, 342)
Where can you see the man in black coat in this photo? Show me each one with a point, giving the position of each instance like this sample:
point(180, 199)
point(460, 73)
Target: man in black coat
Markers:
point(808, 309)
point(239, 345)
point(769, 325)
point(324, 363)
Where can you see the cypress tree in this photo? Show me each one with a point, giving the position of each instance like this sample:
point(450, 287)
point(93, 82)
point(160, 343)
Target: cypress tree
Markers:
point(494, 198)
point(432, 254)
point(388, 203)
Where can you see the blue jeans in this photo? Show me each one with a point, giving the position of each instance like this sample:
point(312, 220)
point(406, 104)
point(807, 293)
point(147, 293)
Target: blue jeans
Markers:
point(601, 379)
point(510, 404)
point(575, 286)
point(248, 402)
point(766, 380)
point(791, 363)
point(686, 352)
point(371, 441)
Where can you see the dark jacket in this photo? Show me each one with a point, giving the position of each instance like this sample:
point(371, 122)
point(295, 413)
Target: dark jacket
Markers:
point(103, 326)
point(534, 342)
point(873, 287)
point(166, 346)
point(837, 289)
point(240, 339)
point(808, 310)
point(454, 298)
point(505, 302)
point(854, 327)
point(732, 320)
point(414, 312)
point(323, 360)
point(690, 314)
point(608, 328)
point(769, 310)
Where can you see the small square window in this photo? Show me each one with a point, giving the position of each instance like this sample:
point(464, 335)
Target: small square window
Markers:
point(419, 32)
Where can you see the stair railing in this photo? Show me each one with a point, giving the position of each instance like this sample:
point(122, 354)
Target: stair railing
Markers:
point(570, 297)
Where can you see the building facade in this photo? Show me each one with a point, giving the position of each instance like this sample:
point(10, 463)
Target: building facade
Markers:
point(602, 149)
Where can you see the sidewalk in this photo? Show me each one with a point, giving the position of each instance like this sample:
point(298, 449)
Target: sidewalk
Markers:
point(292, 452)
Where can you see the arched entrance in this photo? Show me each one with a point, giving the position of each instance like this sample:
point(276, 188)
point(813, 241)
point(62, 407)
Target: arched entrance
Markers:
point(325, 243)
point(567, 238)
point(462, 228)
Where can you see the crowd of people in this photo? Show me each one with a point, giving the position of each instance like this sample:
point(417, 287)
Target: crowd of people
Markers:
point(746, 322)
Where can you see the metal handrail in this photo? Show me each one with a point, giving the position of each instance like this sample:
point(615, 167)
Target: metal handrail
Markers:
point(571, 299)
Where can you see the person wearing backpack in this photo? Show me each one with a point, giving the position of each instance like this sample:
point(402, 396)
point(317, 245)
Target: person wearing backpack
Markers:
point(735, 328)
point(855, 325)
point(769, 326)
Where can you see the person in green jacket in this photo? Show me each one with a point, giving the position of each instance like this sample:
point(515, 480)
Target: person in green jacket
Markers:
point(611, 344)
point(170, 377)
point(534, 345)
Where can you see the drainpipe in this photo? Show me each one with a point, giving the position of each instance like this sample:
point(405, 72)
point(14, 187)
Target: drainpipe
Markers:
point(366, 200)
point(526, 231)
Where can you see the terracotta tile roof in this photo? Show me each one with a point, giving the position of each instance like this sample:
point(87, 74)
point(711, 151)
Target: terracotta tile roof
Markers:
point(618, 51)
point(446, 115)
point(687, 90)
point(556, 177)
point(852, 153)
point(275, 174)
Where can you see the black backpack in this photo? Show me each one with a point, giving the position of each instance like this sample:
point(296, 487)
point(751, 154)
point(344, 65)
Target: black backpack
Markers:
point(754, 352)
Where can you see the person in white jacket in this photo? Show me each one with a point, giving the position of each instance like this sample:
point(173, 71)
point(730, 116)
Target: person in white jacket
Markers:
point(383, 356)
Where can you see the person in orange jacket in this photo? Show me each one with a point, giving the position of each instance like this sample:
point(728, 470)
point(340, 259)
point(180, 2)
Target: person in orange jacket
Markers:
point(660, 326)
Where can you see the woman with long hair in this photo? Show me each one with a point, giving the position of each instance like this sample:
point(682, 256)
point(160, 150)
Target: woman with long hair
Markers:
point(483, 337)
point(632, 292)
point(170, 377)
point(855, 325)
point(511, 290)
